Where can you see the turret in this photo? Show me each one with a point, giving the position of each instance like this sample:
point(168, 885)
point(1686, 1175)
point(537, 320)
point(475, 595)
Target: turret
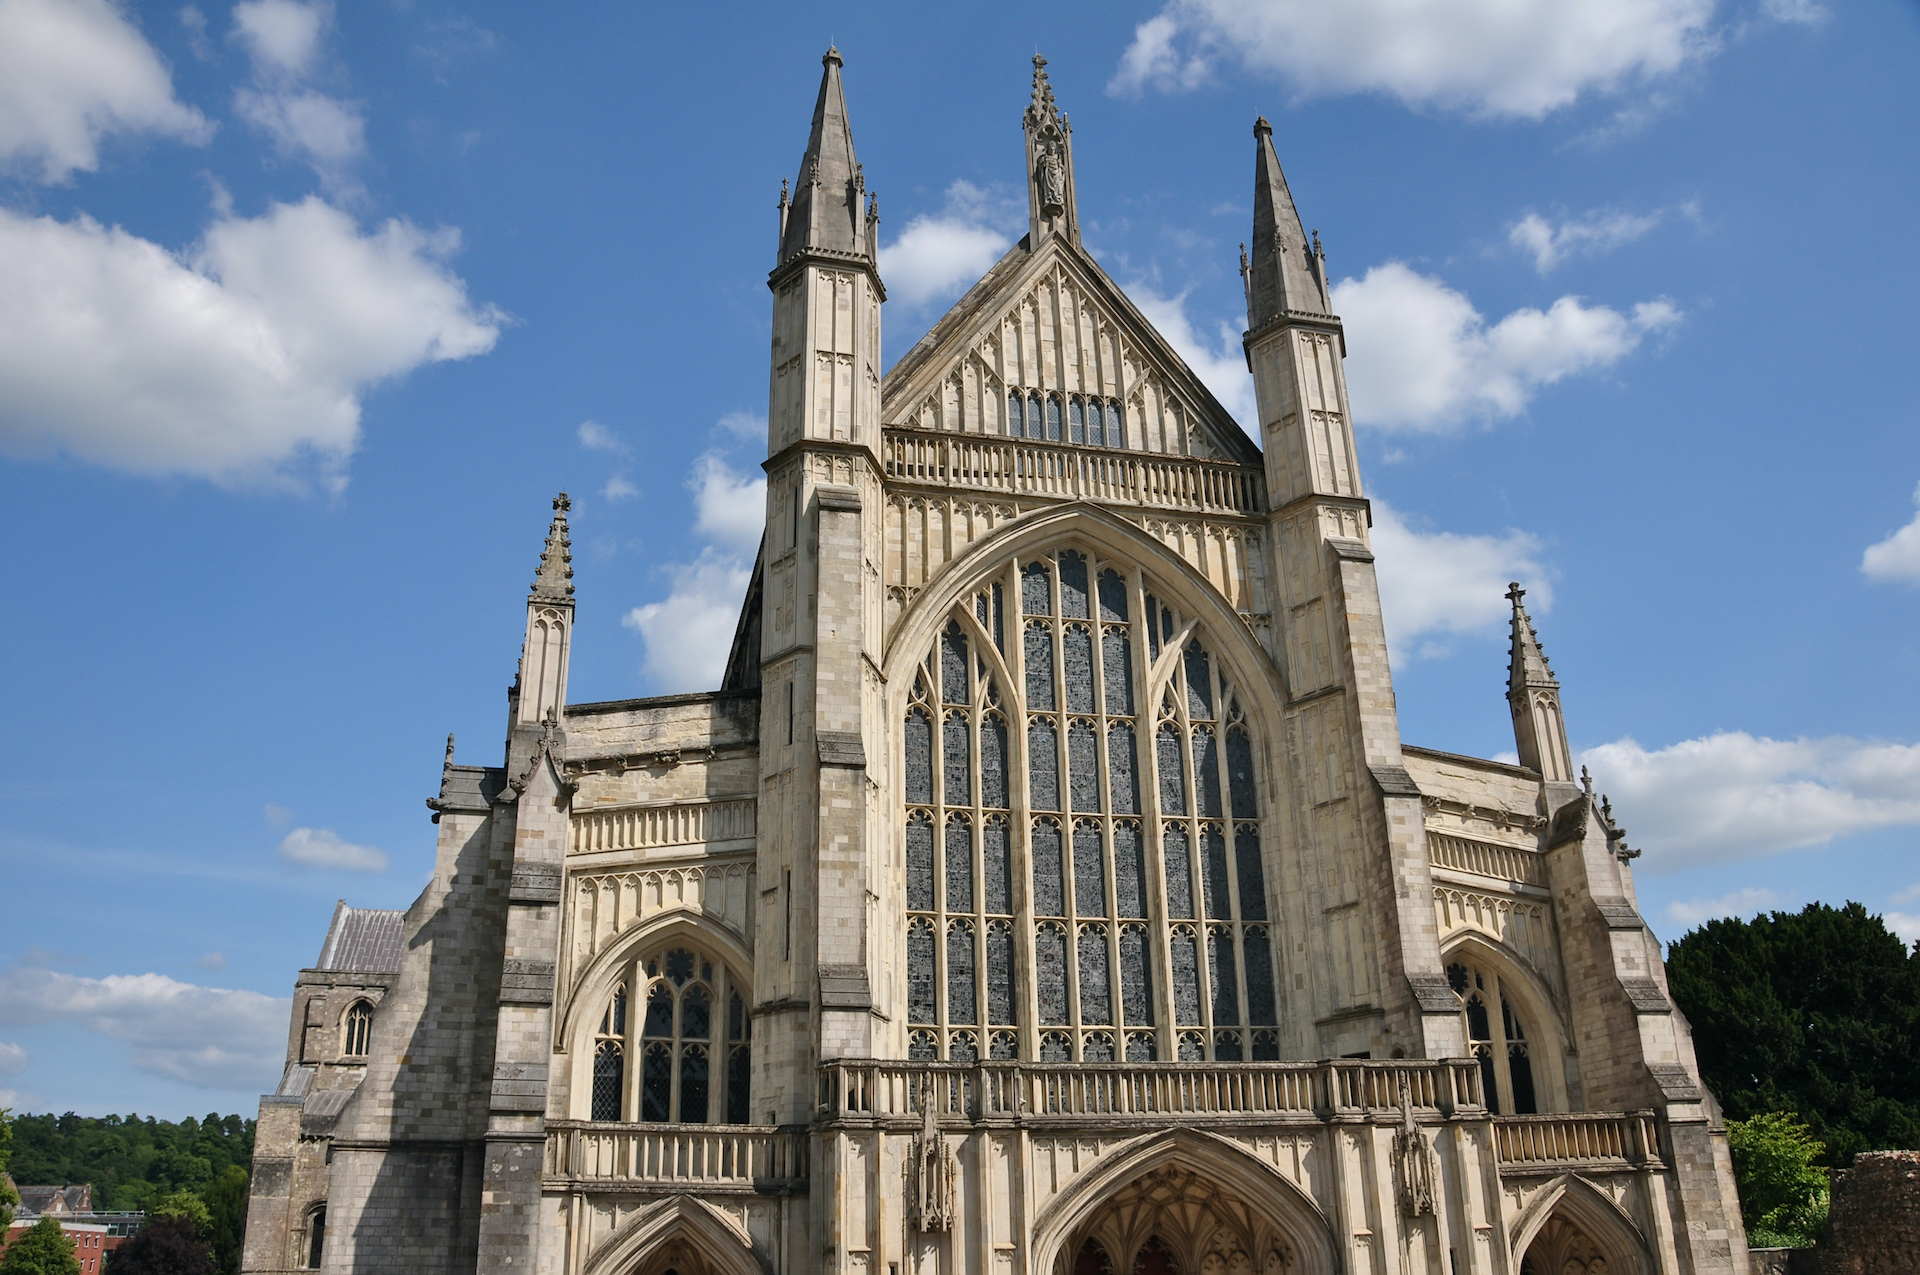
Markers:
point(542, 687)
point(1539, 730)
point(1050, 200)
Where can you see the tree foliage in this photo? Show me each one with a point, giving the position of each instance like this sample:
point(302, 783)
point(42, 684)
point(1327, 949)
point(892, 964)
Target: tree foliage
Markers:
point(1783, 1190)
point(7, 1197)
point(164, 1246)
point(129, 1160)
point(226, 1230)
point(43, 1249)
point(1816, 1013)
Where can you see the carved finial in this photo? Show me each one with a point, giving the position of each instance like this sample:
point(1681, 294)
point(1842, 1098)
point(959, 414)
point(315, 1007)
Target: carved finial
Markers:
point(832, 55)
point(1261, 128)
point(553, 582)
point(873, 206)
point(1243, 261)
point(1316, 245)
point(1515, 593)
point(784, 199)
point(449, 761)
point(1586, 781)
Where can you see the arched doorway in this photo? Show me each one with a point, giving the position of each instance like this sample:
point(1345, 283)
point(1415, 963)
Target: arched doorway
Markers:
point(1175, 1221)
point(1562, 1248)
point(1574, 1228)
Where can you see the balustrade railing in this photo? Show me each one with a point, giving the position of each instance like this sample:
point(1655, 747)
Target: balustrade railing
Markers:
point(1486, 859)
point(1549, 1142)
point(1023, 467)
point(711, 1155)
point(1155, 1091)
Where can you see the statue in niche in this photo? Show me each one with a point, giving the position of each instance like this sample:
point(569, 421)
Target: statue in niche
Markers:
point(1413, 1158)
point(930, 1175)
point(1053, 181)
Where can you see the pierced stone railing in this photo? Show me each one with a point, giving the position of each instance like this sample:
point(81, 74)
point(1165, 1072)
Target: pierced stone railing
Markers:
point(1024, 467)
point(683, 823)
point(699, 1155)
point(1485, 859)
point(1595, 1140)
point(1142, 1091)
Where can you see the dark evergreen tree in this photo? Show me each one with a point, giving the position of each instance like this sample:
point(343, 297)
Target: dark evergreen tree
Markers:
point(226, 1201)
point(130, 1161)
point(1815, 1012)
point(164, 1246)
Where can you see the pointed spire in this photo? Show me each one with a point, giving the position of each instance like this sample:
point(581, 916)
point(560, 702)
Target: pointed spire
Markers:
point(826, 211)
point(553, 582)
point(1288, 272)
point(1527, 663)
point(1049, 161)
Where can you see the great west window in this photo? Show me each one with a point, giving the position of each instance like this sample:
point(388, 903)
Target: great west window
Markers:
point(1082, 832)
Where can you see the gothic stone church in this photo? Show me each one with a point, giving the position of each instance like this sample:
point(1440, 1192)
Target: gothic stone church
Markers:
point(1047, 889)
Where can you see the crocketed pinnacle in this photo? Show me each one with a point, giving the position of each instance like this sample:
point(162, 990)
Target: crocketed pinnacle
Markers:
point(1286, 270)
point(1042, 109)
point(1526, 663)
point(827, 213)
point(553, 582)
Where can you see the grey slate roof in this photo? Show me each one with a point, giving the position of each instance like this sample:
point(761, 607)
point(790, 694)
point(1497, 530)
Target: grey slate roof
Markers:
point(365, 940)
point(37, 1201)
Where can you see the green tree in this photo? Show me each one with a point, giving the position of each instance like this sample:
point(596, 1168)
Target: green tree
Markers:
point(186, 1206)
point(43, 1250)
point(130, 1160)
point(226, 1201)
point(164, 1246)
point(7, 1197)
point(1783, 1191)
point(1815, 1012)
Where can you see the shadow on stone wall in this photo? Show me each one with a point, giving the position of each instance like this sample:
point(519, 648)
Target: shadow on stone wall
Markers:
point(1873, 1225)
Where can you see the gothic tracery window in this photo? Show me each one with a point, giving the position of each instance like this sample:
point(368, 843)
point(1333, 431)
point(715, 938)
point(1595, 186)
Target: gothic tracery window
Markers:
point(1498, 1041)
point(690, 1029)
point(357, 1030)
point(1072, 418)
point(1124, 916)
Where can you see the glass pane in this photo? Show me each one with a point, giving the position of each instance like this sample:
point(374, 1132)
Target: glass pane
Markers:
point(679, 965)
point(1136, 983)
point(1073, 585)
point(609, 1079)
point(1116, 426)
point(740, 1086)
point(920, 863)
point(1226, 1046)
point(736, 1019)
point(1016, 415)
point(1140, 1047)
point(659, 1024)
point(958, 765)
point(1260, 999)
point(1083, 767)
point(953, 665)
point(1240, 774)
point(1096, 432)
point(1125, 786)
point(1172, 772)
point(1039, 653)
point(1116, 658)
point(920, 1047)
point(1036, 592)
point(1213, 873)
point(1223, 985)
point(1174, 849)
point(1089, 873)
point(1049, 882)
point(693, 1084)
point(1000, 1002)
point(962, 993)
point(1206, 772)
point(1097, 1048)
point(997, 867)
point(919, 747)
point(959, 863)
point(1043, 764)
point(1076, 421)
point(1050, 974)
point(1129, 871)
point(1077, 656)
point(1053, 418)
point(696, 1013)
point(920, 972)
point(1113, 597)
point(1253, 886)
point(993, 762)
point(1096, 1000)
point(1054, 1048)
point(656, 1083)
point(1199, 684)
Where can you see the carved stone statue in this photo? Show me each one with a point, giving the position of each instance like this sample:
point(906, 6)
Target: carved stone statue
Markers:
point(1053, 183)
point(930, 1176)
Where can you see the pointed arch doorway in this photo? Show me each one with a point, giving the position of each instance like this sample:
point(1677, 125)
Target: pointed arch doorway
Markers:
point(1174, 1220)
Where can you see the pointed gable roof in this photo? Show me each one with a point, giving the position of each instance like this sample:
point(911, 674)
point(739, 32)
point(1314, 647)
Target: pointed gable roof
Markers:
point(1086, 324)
point(828, 196)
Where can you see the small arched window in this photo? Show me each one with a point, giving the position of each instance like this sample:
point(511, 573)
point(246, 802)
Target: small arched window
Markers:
point(316, 1237)
point(357, 1034)
point(1498, 1041)
point(690, 1032)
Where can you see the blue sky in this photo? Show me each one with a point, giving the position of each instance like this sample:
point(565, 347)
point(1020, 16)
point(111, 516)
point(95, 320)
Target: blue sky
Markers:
point(306, 313)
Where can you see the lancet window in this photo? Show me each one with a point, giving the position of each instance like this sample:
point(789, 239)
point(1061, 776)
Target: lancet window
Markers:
point(1498, 1040)
point(684, 1018)
point(357, 1031)
point(1072, 418)
point(1082, 834)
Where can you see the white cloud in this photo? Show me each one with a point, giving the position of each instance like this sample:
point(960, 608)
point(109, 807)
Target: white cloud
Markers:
point(731, 507)
point(206, 1036)
point(937, 256)
point(213, 961)
point(1741, 903)
point(1905, 924)
point(1223, 366)
point(13, 1060)
point(72, 72)
point(1599, 231)
point(689, 635)
point(1422, 358)
point(1437, 585)
point(278, 816)
point(1734, 796)
point(596, 437)
point(283, 38)
point(323, 848)
point(619, 487)
point(242, 361)
point(1804, 12)
point(1490, 58)
point(1898, 556)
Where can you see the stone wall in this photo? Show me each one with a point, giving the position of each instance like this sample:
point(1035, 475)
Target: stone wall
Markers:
point(1873, 1227)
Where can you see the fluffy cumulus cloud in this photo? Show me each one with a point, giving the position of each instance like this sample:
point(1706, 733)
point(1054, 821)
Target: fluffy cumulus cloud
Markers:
point(937, 256)
point(211, 1037)
point(1600, 231)
point(73, 72)
point(1897, 558)
point(1436, 586)
point(1691, 913)
point(1219, 362)
point(1491, 58)
point(1422, 358)
point(1905, 924)
point(689, 634)
point(13, 1059)
point(242, 360)
point(323, 848)
point(1733, 796)
point(283, 40)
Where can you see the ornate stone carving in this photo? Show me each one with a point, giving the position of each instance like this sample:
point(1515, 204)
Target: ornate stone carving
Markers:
point(1414, 1170)
point(930, 1174)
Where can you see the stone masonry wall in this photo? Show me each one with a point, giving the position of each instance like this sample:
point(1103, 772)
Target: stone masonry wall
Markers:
point(1874, 1225)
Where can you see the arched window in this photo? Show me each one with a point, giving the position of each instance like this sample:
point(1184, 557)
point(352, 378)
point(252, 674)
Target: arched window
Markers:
point(1499, 1040)
point(691, 1032)
point(357, 1031)
point(1016, 414)
point(1053, 418)
point(316, 1237)
point(1125, 917)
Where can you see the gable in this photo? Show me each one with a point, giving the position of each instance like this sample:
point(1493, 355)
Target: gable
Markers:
point(1053, 322)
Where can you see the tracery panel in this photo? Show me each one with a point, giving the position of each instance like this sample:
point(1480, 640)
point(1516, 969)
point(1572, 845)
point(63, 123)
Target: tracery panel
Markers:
point(1060, 905)
point(692, 1036)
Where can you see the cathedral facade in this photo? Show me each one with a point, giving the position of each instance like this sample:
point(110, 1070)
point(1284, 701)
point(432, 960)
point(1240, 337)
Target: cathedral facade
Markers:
point(1047, 889)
